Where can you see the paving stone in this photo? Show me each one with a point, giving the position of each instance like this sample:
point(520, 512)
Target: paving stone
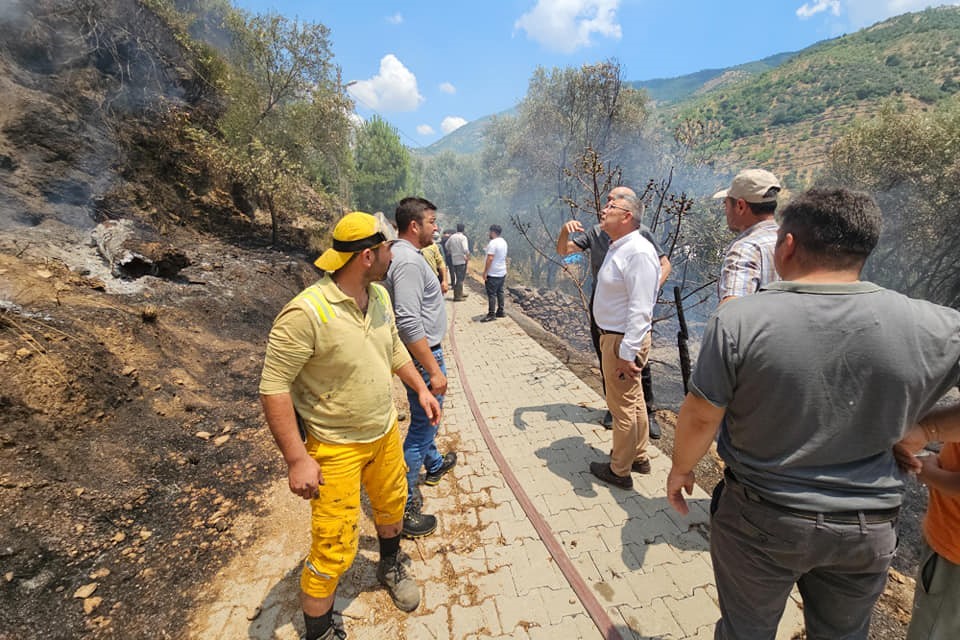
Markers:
point(582, 542)
point(474, 619)
point(647, 566)
point(650, 584)
point(375, 631)
point(434, 625)
point(592, 517)
point(521, 613)
point(580, 627)
point(517, 531)
point(563, 501)
point(699, 610)
point(689, 576)
point(651, 620)
point(560, 603)
point(657, 553)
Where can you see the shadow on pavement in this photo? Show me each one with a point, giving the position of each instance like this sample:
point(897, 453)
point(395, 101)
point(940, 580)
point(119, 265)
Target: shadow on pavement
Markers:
point(648, 520)
point(558, 411)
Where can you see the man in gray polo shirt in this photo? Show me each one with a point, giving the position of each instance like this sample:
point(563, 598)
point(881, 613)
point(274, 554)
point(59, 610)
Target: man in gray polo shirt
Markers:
point(812, 381)
point(422, 323)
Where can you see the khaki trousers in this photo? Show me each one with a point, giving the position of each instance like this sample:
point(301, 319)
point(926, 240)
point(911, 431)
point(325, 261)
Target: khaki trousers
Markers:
point(631, 432)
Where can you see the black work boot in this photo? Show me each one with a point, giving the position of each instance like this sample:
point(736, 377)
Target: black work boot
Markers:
point(449, 462)
point(335, 632)
point(603, 471)
point(415, 523)
point(654, 426)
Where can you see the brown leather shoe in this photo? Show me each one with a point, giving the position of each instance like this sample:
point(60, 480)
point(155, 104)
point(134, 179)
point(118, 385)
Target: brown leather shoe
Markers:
point(603, 471)
point(639, 466)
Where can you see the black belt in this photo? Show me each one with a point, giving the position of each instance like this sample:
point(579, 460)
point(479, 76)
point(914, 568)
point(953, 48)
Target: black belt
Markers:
point(604, 332)
point(872, 516)
point(435, 347)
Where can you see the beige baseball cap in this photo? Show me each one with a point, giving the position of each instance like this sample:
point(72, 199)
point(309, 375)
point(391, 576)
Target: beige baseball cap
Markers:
point(754, 186)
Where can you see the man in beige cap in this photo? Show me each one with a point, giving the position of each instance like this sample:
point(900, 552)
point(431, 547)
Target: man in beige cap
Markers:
point(330, 356)
point(749, 204)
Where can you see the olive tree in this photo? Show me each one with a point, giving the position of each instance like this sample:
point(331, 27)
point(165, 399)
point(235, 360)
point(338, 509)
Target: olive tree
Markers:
point(909, 160)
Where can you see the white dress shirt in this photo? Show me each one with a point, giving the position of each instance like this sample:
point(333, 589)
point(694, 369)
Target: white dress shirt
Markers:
point(626, 291)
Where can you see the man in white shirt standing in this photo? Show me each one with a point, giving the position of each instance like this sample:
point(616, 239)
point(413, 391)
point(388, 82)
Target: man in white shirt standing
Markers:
point(494, 273)
point(626, 291)
point(458, 248)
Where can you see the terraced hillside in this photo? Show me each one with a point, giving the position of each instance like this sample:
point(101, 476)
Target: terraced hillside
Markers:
point(787, 117)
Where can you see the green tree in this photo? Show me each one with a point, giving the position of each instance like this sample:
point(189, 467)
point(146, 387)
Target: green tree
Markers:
point(282, 62)
point(533, 162)
point(910, 162)
point(453, 182)
point(382, 167)
point(287, 119)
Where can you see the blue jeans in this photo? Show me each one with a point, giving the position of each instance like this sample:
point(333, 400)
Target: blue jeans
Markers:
point(494, 287)
point(420, 446)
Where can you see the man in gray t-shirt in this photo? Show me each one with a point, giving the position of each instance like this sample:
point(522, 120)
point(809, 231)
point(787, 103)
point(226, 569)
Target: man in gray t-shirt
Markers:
point(421, 318)
point(812, 381)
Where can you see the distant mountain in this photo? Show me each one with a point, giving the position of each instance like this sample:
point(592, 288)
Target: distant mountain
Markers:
point(784, 111)
point(670, 90)
point(786, 118)
point(469, 138)
point(465, 140)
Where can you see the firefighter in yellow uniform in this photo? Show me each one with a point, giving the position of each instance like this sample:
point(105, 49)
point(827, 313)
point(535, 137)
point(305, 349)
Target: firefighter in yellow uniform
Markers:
point(434, 257)
point(330, 357)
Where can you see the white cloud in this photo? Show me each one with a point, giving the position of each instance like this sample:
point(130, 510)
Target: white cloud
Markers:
point(396, 18)
point(447, 87)
point(393, 89)
point(356, 120)
point(810, 9)
point(451, 124)
point(425, 130)
point(863, 13)
point(567, 25)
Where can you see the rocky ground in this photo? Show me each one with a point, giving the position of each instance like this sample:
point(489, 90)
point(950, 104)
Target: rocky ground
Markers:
point(130, 434)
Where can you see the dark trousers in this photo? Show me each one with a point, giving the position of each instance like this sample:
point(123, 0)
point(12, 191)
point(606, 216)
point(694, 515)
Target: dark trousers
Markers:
point(646, 381)
point(459, 275)
point(759, 552)
point(494, 287)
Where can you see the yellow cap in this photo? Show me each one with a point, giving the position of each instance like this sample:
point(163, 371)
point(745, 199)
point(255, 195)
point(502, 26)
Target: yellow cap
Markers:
point(355, 232)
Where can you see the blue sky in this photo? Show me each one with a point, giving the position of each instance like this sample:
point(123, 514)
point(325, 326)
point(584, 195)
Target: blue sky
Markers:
point(430, 66)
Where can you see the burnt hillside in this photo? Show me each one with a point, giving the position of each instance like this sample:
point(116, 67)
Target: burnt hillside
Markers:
point(130, 435)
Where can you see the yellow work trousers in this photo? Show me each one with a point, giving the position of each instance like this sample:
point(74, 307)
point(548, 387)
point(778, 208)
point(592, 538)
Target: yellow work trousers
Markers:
point(379, 467)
